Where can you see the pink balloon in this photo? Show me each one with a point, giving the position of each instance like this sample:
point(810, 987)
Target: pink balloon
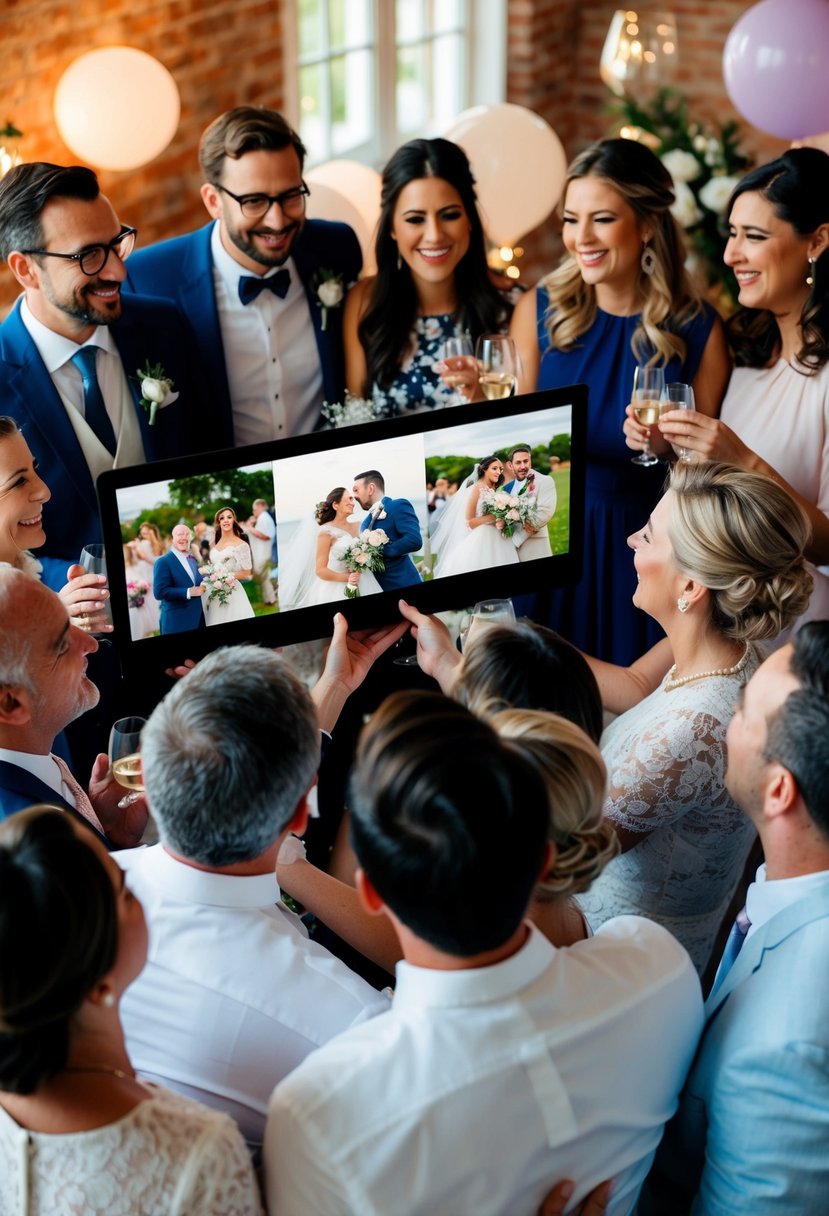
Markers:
point(776, 66)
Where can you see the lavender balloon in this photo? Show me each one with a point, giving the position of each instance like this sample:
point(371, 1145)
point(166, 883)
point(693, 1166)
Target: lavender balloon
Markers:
point(776, 66)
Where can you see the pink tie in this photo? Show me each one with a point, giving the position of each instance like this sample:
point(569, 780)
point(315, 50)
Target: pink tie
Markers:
point(82, 804)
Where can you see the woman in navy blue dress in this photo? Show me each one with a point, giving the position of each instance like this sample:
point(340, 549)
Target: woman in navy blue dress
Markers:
point(619, 297)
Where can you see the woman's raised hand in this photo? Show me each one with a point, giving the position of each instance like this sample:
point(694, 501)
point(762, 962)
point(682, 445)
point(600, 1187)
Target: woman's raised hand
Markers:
point(709, 437)
point(460, 372)
point(85, 599)
point(636, 435)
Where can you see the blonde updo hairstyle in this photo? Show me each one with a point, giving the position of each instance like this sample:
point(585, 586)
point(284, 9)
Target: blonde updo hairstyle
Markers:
point(742, 536)
point(574, 774)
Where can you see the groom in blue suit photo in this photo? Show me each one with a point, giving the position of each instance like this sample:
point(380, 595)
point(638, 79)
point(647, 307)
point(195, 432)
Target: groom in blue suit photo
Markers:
point(262, 286)
point(71, 352)
point(398, 519)
point(178, 586)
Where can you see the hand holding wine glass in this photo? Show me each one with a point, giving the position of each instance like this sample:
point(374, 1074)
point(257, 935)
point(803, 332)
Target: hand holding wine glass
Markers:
point(97, 619)
point(124, 757)
point(458, 369)
point(497, 366)
point(678, 396)
point(648, 383)
point(483, 615)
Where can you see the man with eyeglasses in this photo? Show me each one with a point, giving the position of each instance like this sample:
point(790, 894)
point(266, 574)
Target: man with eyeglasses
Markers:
point(262, 286)
point(71, 352)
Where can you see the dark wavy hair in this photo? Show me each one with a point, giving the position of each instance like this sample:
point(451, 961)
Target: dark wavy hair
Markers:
point(58, 937)
point(324, 511)
point(392, 309)
point(237, 529)
point(482, 466)
point(797, 186)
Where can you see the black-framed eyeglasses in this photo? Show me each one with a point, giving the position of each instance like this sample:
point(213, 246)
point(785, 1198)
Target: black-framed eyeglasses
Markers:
point(94, 258)
point(254, 206)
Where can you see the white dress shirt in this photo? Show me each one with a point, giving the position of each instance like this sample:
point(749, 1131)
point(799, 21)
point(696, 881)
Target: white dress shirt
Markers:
point(56, 353)
point(481, 1088)
point(234, 994)
point(271, 356)
point(766, 897)
point(42, 767)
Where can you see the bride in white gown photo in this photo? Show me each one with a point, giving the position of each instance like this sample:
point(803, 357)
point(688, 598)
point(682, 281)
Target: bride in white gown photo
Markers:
point(466, 539)
point(230, 551)
point(313, 571)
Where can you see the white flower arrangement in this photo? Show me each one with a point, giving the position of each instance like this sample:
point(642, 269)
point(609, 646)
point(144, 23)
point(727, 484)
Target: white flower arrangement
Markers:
point(353, 412)
point(330, 291)
point(364, 552)
point(155, 389)
point(683, 166)
point(219, 581)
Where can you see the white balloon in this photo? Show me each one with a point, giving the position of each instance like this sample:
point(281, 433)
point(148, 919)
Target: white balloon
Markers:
point(519, 165)
point(117, 108)
point(348, 191)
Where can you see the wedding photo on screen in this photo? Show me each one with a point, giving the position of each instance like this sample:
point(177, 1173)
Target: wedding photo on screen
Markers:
point(266, 543)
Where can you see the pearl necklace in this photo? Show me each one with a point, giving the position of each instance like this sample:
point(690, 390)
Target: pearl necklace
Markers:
point(670, 683)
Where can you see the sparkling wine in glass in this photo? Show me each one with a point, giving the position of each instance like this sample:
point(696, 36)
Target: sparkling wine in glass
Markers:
point(678, 396)
point(648, 383)
point(124, 757)
point(484, 614)
point(497, 366)
point(456, 348)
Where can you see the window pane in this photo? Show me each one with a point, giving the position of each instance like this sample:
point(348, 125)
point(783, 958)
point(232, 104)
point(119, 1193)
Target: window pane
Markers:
point(410, 20)
point(448, 77)
point(412, 92)
point(349, 22)
point(351, 94)
point(310, 26)
point(446, 15)
point(312, 117)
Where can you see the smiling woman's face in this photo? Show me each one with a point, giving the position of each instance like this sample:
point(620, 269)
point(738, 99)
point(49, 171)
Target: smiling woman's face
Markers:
point(22, 495)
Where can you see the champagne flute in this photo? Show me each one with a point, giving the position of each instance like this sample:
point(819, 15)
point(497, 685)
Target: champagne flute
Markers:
point(678, 396)
point(484, 614)
point(648, 383)
point(497, 366)
point(124, 757)
point(93, 560)
point(456, 348)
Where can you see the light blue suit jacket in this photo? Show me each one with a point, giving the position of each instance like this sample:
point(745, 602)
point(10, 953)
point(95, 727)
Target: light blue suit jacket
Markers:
point(751, 1137)
point(181, 269)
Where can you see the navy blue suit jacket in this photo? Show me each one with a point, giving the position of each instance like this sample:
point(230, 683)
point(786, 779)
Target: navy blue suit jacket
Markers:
point(181, 269)
point(20, 789)
point(148, 329)
point(402, 527)
point(179, 612)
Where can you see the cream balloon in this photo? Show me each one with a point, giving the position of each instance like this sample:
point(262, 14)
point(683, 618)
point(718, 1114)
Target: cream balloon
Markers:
point(117, 108)
point(347, 191)
point(519, 166)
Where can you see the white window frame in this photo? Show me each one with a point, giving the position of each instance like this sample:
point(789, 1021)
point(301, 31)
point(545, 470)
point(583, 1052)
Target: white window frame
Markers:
point(486, 71)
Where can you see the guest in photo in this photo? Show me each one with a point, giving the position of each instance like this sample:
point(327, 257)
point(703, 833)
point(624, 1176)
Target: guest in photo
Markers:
point(229, 554)
point(261, 530)
point(143, 606)
point(146, 549)
point(178, 585)
point(398, 519)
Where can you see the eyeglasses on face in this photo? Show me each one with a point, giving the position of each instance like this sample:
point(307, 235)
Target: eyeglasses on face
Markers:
point(254, 206)
point(93, 258)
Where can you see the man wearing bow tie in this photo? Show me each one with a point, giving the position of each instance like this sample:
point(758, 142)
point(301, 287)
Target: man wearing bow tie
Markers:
point(263, 287)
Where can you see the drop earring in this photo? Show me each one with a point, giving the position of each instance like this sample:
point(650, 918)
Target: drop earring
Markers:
point(648, 260)
point(399, 261)
point(810, 277)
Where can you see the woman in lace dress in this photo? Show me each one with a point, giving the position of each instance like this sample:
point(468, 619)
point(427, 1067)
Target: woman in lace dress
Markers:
point(466, 537)
point(23, 496)
point(432, 283)
point(80, 1135)
point(720, 567)
point(230, 552)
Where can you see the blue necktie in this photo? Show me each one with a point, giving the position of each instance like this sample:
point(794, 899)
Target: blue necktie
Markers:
point(250, 285)
point(733, 946)
point(93, 399)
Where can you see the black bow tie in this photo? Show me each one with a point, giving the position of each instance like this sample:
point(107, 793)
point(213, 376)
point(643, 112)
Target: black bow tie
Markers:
point(250, 285)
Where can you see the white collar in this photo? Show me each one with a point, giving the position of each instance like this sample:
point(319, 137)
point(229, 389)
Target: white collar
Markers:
point(42, 767)
point(185, 883)
point(230, 271)
point(421, 987)
point(766, 897)
point(54, 349)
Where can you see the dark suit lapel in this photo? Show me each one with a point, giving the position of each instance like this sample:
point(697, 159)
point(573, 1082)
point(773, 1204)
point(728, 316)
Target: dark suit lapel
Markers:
point(198, 303)
point(329, 350)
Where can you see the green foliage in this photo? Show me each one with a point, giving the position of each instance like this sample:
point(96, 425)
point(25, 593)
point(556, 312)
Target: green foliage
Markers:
point(208, 492)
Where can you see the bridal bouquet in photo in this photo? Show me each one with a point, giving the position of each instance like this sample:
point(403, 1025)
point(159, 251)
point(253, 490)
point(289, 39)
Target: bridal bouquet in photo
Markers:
point(512, 510)
point(137, 592)
point(363, 552)
point(219, 581)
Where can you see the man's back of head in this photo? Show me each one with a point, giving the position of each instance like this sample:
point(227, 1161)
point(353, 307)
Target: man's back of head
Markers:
point(449, 823)
point(228, 756)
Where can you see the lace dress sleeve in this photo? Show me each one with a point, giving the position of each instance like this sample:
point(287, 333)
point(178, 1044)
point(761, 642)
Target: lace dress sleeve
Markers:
point(218, 1178)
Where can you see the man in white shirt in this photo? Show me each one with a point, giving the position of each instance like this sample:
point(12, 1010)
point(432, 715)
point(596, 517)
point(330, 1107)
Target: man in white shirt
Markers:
point(44, 687)
point(234, 994)
point(261, 529)
point(251, 283)
point(504, 1064)
point(752, 1130)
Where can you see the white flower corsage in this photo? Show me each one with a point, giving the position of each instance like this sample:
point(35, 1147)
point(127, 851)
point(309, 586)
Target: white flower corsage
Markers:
point(330, 291)
point(155, 389)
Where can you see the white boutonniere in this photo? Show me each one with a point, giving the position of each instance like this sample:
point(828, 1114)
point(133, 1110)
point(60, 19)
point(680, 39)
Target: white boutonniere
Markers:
point(156, 389)
point(377, 512)
point(330, 291)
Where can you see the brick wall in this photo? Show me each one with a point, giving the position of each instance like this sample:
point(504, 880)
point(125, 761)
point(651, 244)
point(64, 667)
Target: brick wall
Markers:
point(229, 52)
